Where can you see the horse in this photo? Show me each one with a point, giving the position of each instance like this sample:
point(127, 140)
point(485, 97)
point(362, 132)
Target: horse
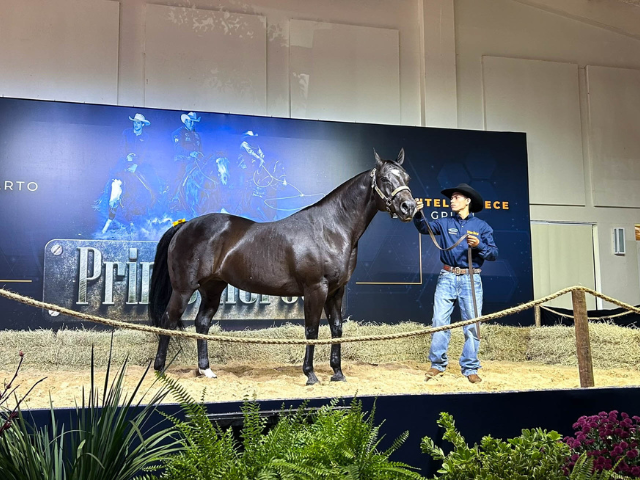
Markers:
point(311, 253)
point(247, 191)
point(134, 191)
point(229, 195)
point(199, 185)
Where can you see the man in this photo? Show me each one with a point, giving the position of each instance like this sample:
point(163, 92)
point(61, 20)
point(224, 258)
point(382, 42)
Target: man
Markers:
point(250, 165)
point(187, 146)
point(135, 140)
point(251, 155)
point(134, 184)
point(454, 282)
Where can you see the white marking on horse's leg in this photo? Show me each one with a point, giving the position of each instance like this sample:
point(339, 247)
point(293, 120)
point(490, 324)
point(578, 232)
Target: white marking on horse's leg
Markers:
point(106, 225)
point(207, 373)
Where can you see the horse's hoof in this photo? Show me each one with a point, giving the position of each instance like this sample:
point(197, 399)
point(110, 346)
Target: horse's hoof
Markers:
point(312, 379)
point(207, 373)
point(338, 377)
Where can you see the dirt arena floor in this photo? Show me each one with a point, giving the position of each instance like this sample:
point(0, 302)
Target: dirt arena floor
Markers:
point(238, 381)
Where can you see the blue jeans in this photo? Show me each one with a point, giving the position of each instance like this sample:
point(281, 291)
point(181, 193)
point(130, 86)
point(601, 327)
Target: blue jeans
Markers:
point(450, 288)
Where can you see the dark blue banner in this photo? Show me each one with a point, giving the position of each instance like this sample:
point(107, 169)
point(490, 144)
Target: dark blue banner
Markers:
point(86, 190)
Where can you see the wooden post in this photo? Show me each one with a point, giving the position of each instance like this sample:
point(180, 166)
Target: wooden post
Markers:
point(583, 344)
point(536, 310)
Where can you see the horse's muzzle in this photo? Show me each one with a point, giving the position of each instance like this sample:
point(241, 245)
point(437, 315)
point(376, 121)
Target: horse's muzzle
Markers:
point(407, 210)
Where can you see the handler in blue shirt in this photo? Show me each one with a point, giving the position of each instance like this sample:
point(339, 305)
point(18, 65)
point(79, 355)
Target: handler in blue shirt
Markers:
point(454, 281)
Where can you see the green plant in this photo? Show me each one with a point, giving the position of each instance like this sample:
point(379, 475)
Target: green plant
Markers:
point(7, 415)
point(536, 454)
point(583, 470)
point(346, 444)
point(329, 443)
point(108, 440)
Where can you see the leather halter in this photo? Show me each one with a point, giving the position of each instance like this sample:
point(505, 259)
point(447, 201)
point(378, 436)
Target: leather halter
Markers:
point(389, 199)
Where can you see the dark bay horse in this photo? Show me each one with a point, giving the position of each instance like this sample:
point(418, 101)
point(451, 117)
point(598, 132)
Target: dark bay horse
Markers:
point(312, 254)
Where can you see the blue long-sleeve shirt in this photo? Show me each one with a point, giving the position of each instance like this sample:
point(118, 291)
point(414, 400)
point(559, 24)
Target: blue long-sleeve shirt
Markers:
point(450, 229)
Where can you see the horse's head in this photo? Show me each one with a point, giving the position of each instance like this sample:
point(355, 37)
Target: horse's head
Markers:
point(390, 181)
point(223, 170)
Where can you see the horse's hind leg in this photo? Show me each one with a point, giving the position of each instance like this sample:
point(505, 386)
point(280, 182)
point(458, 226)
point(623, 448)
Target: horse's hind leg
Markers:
point(177, 304)
point(333, 309)
point(314, 299)
point(210, 296)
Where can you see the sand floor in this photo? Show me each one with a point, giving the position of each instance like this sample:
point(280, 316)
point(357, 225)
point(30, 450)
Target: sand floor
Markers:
point(237, 381)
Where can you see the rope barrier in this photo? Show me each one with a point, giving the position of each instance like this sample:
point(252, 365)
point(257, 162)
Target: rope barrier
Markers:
point(281, 341)
point(566, 315)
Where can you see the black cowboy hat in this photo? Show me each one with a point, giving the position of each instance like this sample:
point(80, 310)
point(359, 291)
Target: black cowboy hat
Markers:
point(477, 203)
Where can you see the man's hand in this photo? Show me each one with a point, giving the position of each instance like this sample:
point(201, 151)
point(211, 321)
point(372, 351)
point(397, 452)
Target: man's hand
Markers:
point(473, 241)
point(419, 204)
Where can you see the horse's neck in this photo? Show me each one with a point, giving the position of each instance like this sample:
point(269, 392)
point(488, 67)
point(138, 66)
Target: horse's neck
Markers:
point(356, 206)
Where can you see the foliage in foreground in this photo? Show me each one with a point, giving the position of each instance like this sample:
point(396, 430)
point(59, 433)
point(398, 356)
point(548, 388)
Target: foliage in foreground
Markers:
point(330, 443)
point(108, 439)
point(611, 440)
point(534, 455)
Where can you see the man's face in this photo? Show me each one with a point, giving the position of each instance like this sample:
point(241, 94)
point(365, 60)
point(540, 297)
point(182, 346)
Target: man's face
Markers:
point(137, 125)
point(458, 202)
point(188, 123)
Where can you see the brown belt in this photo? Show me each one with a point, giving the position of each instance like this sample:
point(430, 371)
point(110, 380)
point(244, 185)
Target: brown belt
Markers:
point(460, 271)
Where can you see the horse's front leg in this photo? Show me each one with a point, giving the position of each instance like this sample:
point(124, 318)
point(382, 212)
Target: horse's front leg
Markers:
point(314, 299)
point(333, 309)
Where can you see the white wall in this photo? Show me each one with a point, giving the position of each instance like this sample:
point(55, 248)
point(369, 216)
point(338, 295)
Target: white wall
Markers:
point(59, 50)
point(564, 72)
point(577, 174)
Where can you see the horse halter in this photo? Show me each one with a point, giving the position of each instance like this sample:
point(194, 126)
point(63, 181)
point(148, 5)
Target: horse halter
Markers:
point(389, 199)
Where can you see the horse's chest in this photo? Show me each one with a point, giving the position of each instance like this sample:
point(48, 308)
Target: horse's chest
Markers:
point(338, 270)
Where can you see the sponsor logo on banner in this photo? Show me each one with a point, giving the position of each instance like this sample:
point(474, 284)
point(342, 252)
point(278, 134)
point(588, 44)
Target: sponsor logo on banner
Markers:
point(111, 278)
point(18, 186)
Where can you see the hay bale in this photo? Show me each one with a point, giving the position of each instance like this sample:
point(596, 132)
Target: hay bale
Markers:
point(504, 343)
point(612, 346)
point(413, 348)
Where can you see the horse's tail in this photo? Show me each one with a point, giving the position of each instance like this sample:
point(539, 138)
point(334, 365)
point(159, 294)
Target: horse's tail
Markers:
point(160, 289)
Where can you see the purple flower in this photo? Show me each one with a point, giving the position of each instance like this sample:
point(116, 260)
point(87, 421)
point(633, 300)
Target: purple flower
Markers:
point(632, 454)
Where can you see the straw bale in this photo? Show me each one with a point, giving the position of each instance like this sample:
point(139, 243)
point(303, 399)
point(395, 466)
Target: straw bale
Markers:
point(612, 346)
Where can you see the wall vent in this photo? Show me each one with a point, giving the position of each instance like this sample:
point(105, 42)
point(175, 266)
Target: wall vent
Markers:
point(619, 241)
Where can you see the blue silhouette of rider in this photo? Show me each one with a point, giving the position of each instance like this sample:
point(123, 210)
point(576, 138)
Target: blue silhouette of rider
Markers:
point(134, 185)
point(187, 145)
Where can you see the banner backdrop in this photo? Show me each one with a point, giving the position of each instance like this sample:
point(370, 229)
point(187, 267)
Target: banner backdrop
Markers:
point(87, 190)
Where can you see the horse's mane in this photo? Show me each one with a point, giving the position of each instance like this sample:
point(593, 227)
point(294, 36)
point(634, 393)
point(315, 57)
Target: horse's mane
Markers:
point(337, 194)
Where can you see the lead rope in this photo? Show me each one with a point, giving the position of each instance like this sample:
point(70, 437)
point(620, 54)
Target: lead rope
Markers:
point(470, 265)
point(473, 290)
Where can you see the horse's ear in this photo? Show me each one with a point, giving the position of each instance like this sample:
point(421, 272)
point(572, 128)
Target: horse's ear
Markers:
point(400, 158)
point(379, 161)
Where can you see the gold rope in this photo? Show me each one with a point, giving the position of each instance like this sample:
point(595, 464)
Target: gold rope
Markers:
point(566, 315)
